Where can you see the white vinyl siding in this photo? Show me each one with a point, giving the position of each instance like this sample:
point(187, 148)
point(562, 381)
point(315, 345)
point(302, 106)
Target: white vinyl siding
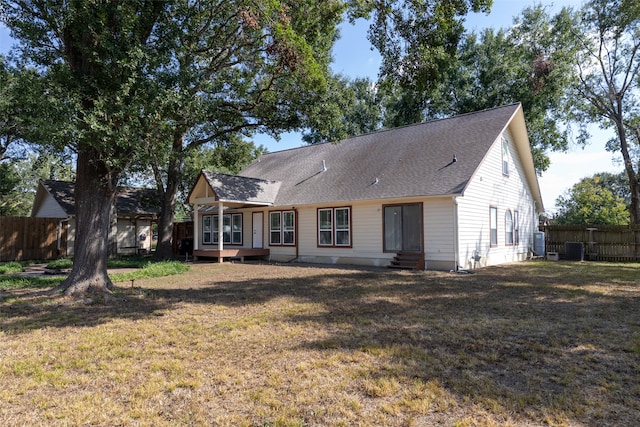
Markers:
point(439, 233)
point(490, 187)
point(365, 237)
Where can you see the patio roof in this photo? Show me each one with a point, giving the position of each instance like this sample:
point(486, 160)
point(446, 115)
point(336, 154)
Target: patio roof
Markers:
point(234, 191)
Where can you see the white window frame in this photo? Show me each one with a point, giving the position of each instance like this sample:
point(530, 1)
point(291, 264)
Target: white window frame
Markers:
point(516, 228)
point(285, 231)
point(505, 157)
point(493, 226)
point(210, 230)
point(275, 231)
point(508, 228)
point(329, 230)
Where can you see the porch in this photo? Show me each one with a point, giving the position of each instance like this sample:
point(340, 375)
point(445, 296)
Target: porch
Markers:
point(230, 253)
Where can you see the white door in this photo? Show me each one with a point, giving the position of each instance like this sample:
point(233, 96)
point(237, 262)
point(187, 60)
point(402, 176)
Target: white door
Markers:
point(257, 230)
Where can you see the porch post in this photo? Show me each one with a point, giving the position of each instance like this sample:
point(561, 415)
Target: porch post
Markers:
point(196, 232)
point(220, 234)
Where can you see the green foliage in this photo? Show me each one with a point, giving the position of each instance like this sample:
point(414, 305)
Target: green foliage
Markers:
point(608, 92)
point(590, 202)
point(8, 282)
point(417, 39)
point(147, 269)
point(10, 267)
point(153, 269)
point(531, 64)
point(19, 183)
point(8, 181)
point(348, 108)
point(60, 264)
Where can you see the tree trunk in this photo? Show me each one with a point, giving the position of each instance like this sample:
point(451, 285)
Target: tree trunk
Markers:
point(164, 249)
point(634, 185)
point(94, 196)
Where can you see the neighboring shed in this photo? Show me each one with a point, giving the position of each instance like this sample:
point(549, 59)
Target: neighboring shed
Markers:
point(454, 193)
point(136, 209)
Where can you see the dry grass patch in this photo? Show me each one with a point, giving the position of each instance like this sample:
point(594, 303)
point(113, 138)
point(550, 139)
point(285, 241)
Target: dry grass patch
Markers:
point(265, 345)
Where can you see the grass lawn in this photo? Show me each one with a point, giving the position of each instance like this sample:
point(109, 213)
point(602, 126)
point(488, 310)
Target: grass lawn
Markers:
point(535, 343)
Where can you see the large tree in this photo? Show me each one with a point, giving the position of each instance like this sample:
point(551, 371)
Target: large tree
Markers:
point(160, 77)
point(238, 68)
point(609, 64)
point(97, 57)
point(591, 202)
point(349, 108)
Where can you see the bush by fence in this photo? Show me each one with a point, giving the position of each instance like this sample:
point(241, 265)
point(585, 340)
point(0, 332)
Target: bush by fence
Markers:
point(26, 238)
point(601, 242)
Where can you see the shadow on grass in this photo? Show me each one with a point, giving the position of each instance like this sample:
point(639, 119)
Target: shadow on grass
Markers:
point(548, 342)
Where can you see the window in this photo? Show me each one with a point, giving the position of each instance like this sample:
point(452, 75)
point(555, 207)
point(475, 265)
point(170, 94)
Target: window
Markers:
point(508, 228)
point(325, 227)
point(282, 228)
point(505, 157)
point(206, 230)
point(275, 228)
point(236, 229)
point(334, 227)
point(231, 229)
point(288, 228)
point(343, 233)
point(493, 226)
point(516, 229)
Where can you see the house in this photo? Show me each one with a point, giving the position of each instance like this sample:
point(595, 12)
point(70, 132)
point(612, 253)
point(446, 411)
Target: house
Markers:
point(136, 209)
point(455, 193)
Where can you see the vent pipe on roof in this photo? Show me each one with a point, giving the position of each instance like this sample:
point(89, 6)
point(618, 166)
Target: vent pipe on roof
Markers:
point(324, 167)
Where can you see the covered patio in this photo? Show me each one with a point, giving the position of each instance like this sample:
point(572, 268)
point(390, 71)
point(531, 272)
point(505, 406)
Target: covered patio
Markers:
point(218, 194)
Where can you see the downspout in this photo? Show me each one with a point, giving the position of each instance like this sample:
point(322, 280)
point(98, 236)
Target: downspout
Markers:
point(456, 255)
point(295, 225)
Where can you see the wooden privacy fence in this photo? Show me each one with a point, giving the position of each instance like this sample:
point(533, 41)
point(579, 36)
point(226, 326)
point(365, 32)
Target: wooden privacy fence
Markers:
point(600, 242)
point(26, 238)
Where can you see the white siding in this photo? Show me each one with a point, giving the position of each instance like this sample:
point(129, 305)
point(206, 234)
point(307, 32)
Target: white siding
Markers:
point(129, 232)
point(490, 187)
point(439, 234)
point(127, 242)
point(366, 236)
point(49, 208)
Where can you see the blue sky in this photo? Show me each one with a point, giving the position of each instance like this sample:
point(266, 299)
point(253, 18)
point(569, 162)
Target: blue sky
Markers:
point(354, 58)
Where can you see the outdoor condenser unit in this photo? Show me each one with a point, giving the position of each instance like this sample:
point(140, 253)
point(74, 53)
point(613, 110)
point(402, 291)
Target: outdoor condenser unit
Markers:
point(538, 243)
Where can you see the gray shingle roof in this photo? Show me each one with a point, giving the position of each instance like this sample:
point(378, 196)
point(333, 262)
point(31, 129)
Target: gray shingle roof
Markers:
point(129, 201)
point(409, 161)
point(240, 188)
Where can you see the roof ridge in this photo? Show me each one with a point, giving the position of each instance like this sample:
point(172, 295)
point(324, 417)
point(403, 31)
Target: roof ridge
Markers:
point(237, 175)
point(455, 116)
